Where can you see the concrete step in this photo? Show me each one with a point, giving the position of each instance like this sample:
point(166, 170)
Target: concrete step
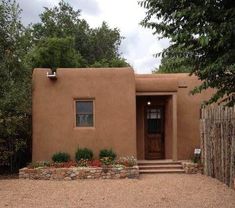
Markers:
point(157, 171)
point(157, 162)
point(161, 166)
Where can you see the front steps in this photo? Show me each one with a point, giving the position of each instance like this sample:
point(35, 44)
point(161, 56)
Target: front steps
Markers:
point(159, 166)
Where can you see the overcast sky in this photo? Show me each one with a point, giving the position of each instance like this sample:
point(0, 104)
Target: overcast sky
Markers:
point(139, 44)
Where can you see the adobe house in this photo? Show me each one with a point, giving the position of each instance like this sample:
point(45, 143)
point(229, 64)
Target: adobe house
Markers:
point(149, 116)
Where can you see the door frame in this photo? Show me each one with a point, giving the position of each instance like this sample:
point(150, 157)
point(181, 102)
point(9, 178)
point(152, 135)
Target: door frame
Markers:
point(162, 106)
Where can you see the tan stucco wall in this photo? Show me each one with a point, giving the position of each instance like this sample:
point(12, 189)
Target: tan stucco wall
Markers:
point(54, 128)
point(117, 105)
point(188, 110)
point(188, 115)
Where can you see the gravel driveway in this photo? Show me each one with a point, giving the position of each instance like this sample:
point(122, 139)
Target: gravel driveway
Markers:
point(173, 190)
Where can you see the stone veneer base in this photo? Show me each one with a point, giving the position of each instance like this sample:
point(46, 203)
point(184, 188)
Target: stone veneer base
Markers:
point(191, 168)
point(76, 173)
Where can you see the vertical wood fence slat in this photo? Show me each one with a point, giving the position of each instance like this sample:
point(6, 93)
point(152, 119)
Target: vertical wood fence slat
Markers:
point(217, 131)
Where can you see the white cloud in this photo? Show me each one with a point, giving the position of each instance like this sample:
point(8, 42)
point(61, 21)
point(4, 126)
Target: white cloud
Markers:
point(90, 7)
point(139, 44)
point(32, 9)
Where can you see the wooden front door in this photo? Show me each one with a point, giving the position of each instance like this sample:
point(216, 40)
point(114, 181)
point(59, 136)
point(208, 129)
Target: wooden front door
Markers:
point(154, 132)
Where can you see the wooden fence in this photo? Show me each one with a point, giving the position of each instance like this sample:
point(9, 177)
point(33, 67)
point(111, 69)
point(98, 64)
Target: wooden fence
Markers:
point(217, 128)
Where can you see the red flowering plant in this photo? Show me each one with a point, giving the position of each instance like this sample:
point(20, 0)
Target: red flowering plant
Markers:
point(95, 163)
point(68, 164)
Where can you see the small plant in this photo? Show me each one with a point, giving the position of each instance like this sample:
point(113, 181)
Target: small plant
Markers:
point(38, 164)
point(84, 153)
point(83, 163)
point(128, 161)
point(107, 153)
point(60, 157)
point(196, 158)
point(106, 161)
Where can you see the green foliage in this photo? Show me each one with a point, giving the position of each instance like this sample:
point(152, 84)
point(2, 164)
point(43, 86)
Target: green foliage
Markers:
point(15, 88)
point(60, 39)
point(83, 153)
point(87, 47)
point(60, 21)
point(60, 157)
point(201, 32)
point(196, 158)
point(104, 43)
point(106, 161)
point(174, 65)
point(110, 63)
point(107, 153)
point(55, 52)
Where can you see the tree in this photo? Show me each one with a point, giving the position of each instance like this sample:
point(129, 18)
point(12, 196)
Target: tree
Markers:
point(104, 43)
point(99, 46)
point(171, 64)
point(120, 62)
point(15, 105)
point(61, 39)
point(60, 21)
point(93, 45)
point(55, 52)
point(201, 32)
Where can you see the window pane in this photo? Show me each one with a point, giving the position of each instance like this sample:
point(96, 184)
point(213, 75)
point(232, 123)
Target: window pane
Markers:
point(153, 113)
point(84, 107)
point(84, 119)
point(154, 126)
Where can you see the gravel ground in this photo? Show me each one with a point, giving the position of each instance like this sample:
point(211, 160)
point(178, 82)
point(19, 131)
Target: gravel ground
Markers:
point(163, 191)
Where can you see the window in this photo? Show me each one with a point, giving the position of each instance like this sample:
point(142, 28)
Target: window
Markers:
point(154, 119)
point(84, 113)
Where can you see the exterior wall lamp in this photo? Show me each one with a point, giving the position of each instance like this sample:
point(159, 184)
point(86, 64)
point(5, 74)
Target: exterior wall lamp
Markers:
point(148, 101)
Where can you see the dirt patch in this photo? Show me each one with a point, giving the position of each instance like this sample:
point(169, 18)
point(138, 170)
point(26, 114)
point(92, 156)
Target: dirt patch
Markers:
point(165, 191)
point(9, 176)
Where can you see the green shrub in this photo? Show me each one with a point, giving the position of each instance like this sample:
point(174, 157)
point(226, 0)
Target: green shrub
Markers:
point(106, 161)
point(61, 157)
point(196, 158)
point(107, 153)
point(84, 153)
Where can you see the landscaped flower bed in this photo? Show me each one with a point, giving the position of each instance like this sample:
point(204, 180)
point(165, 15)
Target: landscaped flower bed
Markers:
point(85, 167)
point(105, 168)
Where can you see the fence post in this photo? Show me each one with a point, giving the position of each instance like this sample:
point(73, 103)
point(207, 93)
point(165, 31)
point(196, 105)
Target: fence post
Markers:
point(217, 131)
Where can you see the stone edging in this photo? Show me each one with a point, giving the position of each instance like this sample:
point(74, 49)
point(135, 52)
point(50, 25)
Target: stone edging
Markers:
point(191, 168)
point(76, 173)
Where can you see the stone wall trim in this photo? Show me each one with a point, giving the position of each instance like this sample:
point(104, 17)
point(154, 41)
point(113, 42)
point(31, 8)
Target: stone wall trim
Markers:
point(77, 173)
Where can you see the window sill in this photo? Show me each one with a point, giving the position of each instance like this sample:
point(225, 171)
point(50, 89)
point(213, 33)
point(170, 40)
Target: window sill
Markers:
point(84, 128)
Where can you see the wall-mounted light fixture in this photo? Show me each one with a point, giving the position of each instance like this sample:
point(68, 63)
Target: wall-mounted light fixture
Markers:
point(148, 101)
point(52, 76)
